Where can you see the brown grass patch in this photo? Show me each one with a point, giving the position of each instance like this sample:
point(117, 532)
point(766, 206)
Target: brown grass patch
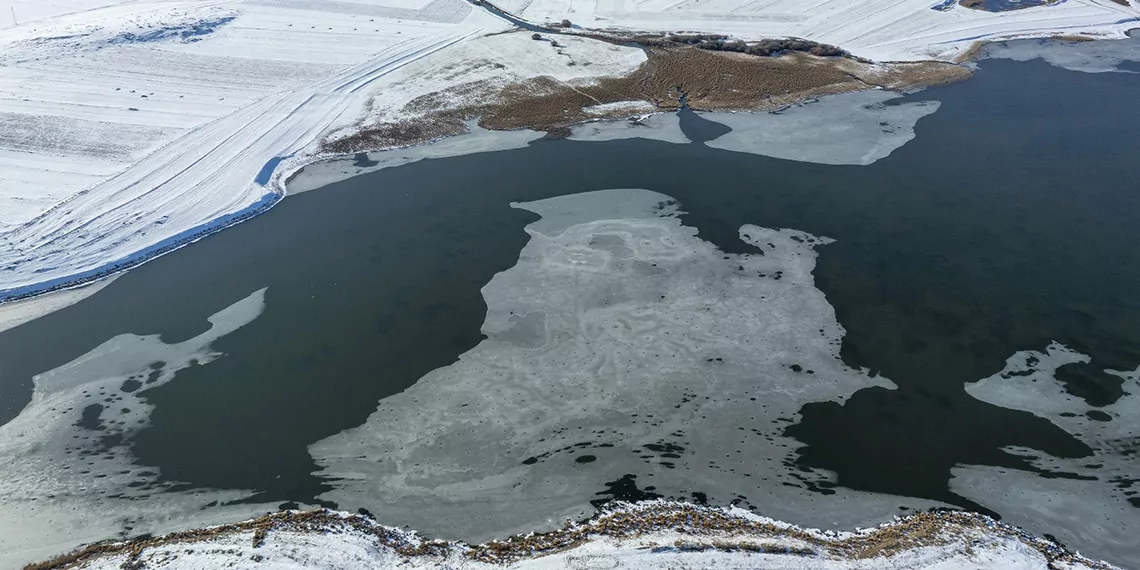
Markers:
point(713, 80)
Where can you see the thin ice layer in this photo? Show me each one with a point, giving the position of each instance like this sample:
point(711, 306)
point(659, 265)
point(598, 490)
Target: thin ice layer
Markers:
point(68, 473)
point(1096, 56)
point(851, 128)
point(620, 344)
point(1084, 502)
point(478, 139)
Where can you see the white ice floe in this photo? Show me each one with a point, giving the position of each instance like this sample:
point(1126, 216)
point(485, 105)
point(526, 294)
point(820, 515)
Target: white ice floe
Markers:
point(478, 140)
point(850, 128)
point(646, 536)
point(16, 313)
point(1098, 56)
point(1087, 506)
point(68, 477)
point(620, 343)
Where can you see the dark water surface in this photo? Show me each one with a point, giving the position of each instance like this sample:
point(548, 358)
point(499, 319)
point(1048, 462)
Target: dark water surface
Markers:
point(1008, 223)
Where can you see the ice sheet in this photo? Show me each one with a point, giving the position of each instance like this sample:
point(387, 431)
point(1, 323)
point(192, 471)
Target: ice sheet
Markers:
point(621, 343)
point(1085, 502)
point(69, 475)
point(1098, 56)
point(664, 127)
point(851, 128)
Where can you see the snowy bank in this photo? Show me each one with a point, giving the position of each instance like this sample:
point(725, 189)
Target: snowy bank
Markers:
point(128, 129)
point(647, 535)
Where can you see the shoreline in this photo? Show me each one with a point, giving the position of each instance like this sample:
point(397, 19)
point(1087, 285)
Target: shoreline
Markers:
point(285, 168)
point(666, 530)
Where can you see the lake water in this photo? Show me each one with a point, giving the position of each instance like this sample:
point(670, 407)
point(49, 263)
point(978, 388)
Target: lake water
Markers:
point(1006, 225)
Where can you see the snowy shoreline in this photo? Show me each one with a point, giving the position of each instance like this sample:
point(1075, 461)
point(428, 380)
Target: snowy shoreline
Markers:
point(640, 535)
point(136, 128)
point(163, 247)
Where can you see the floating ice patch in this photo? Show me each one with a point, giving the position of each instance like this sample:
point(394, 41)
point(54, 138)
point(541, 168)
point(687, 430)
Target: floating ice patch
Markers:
point(1097, 56)
point(16, 313)
point(1092, 503)
point(851, 128)
point(661, 127)
point(69, 476)
point(621, 349)
point(478, 140)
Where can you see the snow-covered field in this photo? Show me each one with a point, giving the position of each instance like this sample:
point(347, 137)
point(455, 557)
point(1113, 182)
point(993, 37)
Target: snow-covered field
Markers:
point(128, 128)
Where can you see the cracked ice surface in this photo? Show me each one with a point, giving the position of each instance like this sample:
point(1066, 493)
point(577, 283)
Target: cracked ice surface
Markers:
point(618, 329)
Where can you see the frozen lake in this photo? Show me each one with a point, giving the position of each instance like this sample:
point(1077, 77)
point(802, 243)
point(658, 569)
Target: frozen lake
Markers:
point(569, 322)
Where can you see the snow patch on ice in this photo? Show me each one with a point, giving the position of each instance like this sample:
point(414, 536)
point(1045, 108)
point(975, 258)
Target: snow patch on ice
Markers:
point(17, 313)
point(70, 477)
point(850, 128)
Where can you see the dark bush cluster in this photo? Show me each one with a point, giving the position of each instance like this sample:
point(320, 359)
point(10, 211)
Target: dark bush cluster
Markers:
point(764, 48)
point(778, 47)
